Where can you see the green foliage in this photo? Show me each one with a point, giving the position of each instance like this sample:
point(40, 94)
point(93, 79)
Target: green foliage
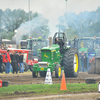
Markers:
point(7, 35)
point(10, 20)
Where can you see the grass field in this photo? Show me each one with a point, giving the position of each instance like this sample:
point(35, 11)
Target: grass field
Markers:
point(49, 89)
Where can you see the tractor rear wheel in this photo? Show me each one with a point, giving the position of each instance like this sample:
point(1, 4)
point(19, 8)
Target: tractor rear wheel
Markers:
point(26, 67)
point(42, 73)
point(71, 62)
point(34, 74)
point(58, 72)
point(4, 66)
point(31, 67)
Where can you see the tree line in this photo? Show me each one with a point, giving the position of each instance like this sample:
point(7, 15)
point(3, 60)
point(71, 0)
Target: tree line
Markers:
point(84, 24)
point(11, 20)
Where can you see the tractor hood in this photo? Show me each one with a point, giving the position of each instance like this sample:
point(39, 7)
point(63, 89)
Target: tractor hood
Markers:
point(53, 47)
point(50, 54)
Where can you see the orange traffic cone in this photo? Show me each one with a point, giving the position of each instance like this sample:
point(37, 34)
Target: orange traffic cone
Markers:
point(63, 83)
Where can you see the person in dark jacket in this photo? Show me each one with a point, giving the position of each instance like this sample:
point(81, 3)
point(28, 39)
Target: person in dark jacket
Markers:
point(17, 60)
point(21, 62)
point(14, 61)
point(1, 70)
point(82, 61)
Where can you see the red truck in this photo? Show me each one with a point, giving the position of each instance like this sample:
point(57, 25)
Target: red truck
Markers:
point(27, 58)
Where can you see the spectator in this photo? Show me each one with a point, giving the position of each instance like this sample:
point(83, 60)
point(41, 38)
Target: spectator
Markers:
point(17, 60)
point(21, 62)
point(1, 70)
point(82, 61)
point(8, 61)
point(14, 61)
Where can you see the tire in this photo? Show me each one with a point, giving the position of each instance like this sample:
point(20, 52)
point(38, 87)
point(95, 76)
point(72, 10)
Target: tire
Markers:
point(39, 56)
point(26, 67)
point(58, 72)
point(90, 81)
point(31, 67)
point(42, 73)
point(71, 62)
point(34, 74)
point(2, 67)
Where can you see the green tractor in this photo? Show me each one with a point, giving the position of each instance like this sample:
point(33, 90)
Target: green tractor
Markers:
point(57, 56)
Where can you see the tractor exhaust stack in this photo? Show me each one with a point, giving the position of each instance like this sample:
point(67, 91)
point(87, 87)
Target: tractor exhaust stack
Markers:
point(50, 41)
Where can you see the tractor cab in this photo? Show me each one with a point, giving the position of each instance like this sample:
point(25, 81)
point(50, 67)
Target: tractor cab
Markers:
point(60, 39)
point(35, 44)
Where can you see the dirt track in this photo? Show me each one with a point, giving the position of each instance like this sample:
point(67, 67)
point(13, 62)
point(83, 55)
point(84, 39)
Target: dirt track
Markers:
point(26, 78)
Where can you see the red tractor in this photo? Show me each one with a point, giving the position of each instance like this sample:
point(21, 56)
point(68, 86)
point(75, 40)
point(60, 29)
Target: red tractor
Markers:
point(27, 58)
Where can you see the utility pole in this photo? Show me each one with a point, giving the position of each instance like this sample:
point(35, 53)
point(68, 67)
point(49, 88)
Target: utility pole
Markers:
point(29, 16)
point(66, 16)
point(66, 5)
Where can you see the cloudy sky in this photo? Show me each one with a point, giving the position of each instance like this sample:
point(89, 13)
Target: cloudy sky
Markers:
point(51, 9)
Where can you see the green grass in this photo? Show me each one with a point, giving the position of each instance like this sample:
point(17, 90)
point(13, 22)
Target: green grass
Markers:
point(49, 89)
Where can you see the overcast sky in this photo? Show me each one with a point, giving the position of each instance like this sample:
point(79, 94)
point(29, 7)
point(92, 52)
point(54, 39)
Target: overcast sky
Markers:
point(51, 9)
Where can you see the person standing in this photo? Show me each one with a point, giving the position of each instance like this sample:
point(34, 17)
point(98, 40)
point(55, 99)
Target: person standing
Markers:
point(82, 61)
point(14, 61)
point(1, 70)
point(8, 61)
point(17, 60)
point(21, 62)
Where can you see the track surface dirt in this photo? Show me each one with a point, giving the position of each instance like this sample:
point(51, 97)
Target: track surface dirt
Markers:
point(26, 78)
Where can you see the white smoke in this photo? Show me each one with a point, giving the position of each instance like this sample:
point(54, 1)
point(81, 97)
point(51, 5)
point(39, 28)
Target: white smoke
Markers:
point(29, 27)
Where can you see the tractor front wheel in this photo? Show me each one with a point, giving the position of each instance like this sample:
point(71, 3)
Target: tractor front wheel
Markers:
point(58, 72)
point(71, 62)
point(34, 74)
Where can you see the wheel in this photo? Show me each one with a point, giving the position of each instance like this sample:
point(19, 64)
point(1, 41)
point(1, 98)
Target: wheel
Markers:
point(58, 72)
point(39, 56)
point(26, 67)
point(4, 66)
point(71, 62)
point(42, 73)
point(31, 67)
point(34, 74)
